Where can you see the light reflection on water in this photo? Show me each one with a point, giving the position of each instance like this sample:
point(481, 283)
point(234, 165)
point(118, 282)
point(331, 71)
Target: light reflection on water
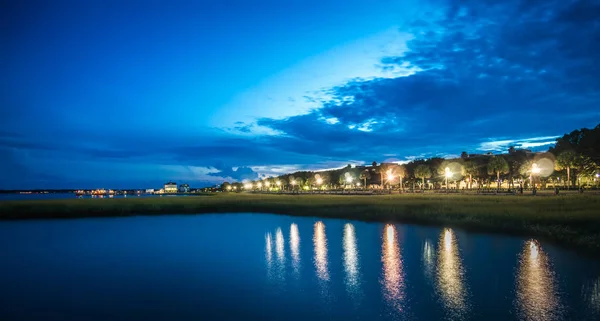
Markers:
point(450, 276)
point(295, 247)
point(279, 246)
point(428, 259)
point(393, 275)
point(351, 264)
point(320, 242)
point(537, 298)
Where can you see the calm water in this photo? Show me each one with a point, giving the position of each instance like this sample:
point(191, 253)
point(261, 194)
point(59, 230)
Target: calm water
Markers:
point(267, 267)
point(56, 196)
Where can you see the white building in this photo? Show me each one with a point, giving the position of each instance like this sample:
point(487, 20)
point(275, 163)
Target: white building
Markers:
point(170, 187)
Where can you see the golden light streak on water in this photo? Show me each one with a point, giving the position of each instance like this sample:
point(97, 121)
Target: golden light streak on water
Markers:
point(351, 264)
point(279, 246)
point(320, 243)
point(450, 276)
point(536, 298)
point(393, 278)
point(295, 247)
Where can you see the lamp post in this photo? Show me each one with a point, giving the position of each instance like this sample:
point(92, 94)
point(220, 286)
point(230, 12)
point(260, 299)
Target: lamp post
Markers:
point(390, 177)
point(448, 174)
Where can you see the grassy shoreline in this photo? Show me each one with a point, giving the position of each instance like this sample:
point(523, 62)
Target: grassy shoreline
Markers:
point(571, 220)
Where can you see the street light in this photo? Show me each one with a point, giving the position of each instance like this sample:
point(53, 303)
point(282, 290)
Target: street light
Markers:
point(448, 174)
point(319, 181)
point(534, 170)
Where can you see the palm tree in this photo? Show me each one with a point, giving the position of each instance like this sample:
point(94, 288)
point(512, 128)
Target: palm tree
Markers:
point(497, 165)
point(400, 170)
point(566, 160)
point(364, 176)
point(382, 169)
point(422, 171)
point(471, 169)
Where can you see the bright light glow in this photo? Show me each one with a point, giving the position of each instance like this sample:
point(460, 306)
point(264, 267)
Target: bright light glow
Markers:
point(259, 185)
point(267, 183)
point(229, 187)
point(535, 169)
point(319, 181)
point(278, 183)
point(390, 175)
point(349, 179)
point(248, 186)
point(357, 184)
point(447, 172)
point(293, 182)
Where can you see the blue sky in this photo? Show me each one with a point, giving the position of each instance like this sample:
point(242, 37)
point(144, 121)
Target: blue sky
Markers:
point(129, 94)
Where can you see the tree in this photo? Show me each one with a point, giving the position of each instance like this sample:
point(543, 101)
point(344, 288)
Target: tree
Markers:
point(292, 181)
point(364, 176)
point(422, 171)
point(400, 171)
point(464, 155)
point(497, 165)
point(566, 160)
point(382, 170)
point(471, 169)
point(226, 186)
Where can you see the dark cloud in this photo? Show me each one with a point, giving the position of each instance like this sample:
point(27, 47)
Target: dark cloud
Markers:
point(485, 70)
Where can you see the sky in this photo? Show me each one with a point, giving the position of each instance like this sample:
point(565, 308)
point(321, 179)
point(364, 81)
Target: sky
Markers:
point(132, 94)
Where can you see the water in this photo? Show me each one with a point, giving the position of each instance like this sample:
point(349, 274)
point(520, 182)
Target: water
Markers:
point(57, 196)
point(268, 267)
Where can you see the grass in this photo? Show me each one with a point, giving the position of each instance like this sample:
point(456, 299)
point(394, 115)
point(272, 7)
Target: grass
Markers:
point(572, 220)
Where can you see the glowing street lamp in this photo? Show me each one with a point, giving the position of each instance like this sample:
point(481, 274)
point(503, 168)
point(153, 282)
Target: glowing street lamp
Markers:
point(448, 174)
point(229, 187)
point(534, 170)
point(267, 183)
point(349, 179)
point(248, 186)
point(259, 185)
point(319, 181)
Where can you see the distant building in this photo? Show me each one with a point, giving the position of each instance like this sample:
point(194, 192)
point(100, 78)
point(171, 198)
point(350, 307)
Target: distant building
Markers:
point(184, 188)
point(170, 187)
point(150, 191)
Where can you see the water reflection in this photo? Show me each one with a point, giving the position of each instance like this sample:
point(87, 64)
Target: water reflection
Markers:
point(536, 291)
point(295, 247)
point(279, 246)
point(351, 260)
point(320, 243)
point(450, 276)
point(393, 278)
point(428, 259)
point(269, 252)
point(591, 292)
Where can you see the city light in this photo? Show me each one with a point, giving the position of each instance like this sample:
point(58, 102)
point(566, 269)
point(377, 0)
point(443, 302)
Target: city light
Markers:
point(259, 184)
point(229, 187)
point(349, 179)
point(535, 169)
point(319, 181)
point(390, 176)
point(267, 183)
point(293, 182)
point(447, 172)
point(278, 183)
point(248, 186)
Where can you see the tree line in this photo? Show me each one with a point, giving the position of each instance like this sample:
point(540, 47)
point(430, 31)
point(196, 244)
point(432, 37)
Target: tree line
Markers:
point(574, 160)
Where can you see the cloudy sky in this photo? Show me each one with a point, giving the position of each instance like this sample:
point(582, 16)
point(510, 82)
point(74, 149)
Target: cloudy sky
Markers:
point(130, 94)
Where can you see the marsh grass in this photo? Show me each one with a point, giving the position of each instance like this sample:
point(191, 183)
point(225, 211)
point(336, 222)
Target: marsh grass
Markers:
point(571, 219)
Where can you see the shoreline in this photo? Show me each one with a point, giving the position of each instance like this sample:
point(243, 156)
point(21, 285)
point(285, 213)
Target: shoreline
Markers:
point(570, 220)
